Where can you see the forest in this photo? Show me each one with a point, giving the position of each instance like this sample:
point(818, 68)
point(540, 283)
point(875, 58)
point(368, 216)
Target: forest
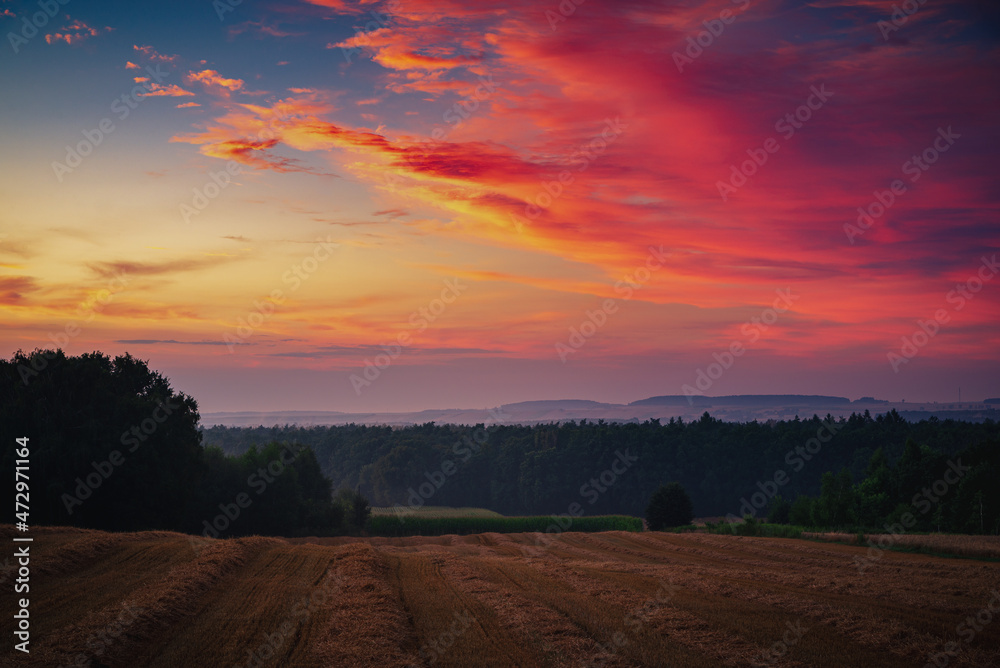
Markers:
point(861, 470)
point(114, 447)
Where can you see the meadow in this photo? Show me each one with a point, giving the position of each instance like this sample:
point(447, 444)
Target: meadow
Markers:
point(499, 599)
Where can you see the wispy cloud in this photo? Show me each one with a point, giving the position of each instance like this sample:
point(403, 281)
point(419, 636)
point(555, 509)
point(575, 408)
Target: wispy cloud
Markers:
point(74, 32)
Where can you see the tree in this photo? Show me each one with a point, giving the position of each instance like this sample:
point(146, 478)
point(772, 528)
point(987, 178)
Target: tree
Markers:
point(113, 446)
point(670, 506)
point(778, 511)
point(800, 513)
point(356, 509)
point(835, 505)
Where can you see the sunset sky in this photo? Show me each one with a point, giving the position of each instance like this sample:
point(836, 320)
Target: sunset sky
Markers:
point(259, 198)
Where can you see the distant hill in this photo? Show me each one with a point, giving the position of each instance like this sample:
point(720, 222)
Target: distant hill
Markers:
point(745, 400)
point(731, 408)
point(549, 404)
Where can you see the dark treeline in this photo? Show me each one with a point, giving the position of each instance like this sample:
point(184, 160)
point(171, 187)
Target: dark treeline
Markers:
point(546, 468)
point(111, 446)
point(923, 490)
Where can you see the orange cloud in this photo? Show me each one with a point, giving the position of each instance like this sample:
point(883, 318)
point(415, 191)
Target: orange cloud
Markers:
point(13, 288)
point(173, 90)
point(133, 268)
point(399, 50)
point(75, 32)
point(213, 78)
point(153, 54)
point(187, 105)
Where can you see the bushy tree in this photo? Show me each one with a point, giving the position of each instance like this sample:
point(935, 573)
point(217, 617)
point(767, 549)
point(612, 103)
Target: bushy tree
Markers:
point(356, 509)
point(800, 514)
point(670, 506)
point(112, 445)
point(778, 511)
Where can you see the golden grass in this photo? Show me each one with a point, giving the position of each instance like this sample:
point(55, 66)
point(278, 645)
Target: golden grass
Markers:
point(581, 599)
point(368, 625)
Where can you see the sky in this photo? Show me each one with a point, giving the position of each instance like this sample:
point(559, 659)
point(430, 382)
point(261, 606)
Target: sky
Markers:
point(411, 204)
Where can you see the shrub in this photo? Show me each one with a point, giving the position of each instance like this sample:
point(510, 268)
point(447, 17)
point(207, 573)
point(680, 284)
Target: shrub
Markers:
point(670, 506)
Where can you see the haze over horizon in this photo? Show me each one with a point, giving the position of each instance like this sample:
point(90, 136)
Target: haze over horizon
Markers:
point(412, 204)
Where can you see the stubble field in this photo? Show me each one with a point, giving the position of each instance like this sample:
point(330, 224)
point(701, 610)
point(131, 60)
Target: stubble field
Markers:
point(573, 599)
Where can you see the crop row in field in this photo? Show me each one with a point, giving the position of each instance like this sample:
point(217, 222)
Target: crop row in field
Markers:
point(612, 599)
point(417, 525)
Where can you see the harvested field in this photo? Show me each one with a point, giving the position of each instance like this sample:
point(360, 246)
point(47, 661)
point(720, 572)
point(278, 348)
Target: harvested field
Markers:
point(575, 599)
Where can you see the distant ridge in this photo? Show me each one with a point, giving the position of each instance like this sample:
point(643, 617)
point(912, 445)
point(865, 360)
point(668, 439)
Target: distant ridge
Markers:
point(731, 408)
point(558, 403)
point(744, 400)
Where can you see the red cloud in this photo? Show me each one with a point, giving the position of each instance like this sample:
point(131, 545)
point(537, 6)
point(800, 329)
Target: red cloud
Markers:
point(342, 6)
point(527, 165)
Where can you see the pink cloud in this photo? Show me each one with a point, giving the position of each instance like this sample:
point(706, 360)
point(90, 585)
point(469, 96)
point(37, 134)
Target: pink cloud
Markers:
point(75, 32)
point(561, 86)
point(152, 54)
